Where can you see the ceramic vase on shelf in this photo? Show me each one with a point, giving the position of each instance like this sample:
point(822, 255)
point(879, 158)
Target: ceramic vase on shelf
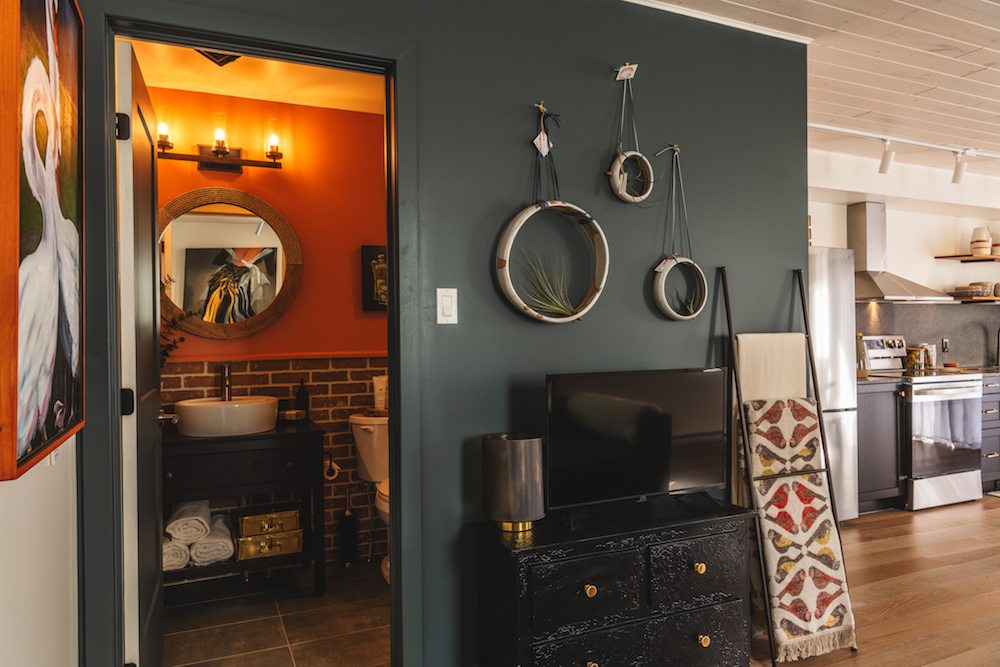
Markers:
point(982, 241)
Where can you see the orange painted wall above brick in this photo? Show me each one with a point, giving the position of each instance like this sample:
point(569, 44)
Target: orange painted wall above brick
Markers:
point(330, 189)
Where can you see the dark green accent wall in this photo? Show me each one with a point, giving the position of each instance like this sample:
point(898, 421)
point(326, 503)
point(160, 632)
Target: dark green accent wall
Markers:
point(468, 75)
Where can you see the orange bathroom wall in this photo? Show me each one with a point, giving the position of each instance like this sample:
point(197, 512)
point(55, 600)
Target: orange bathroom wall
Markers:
point(330, 189)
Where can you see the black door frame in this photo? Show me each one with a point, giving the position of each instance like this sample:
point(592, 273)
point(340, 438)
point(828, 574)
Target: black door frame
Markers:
point(99, 491)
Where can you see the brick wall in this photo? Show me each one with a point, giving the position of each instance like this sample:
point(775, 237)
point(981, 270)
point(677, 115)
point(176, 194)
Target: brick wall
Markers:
point(337, 389)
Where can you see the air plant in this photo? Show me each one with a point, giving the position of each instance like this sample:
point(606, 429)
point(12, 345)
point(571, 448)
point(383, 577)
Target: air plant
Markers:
point(688, 304)
point(547, 292)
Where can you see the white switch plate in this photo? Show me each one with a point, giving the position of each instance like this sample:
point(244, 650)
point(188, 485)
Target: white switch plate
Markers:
point(447, 305)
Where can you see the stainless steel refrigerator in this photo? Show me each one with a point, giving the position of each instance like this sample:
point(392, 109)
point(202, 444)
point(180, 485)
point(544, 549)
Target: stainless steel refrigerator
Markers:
point(832, 326)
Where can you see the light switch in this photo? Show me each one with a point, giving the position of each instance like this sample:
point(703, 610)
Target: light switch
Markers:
point(447, 305)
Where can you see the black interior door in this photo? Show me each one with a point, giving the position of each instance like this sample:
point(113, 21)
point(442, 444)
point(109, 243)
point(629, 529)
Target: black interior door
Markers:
point(147, 375)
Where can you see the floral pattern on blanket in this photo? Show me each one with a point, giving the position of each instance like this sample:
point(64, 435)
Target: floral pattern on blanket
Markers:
point(810, 607)
point(784, 436)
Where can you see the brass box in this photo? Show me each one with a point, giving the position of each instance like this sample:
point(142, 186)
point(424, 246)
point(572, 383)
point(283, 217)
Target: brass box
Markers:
point(273, 544)
point(271, 522)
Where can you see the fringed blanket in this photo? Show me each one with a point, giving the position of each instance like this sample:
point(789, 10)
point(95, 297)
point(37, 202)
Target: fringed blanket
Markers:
point(810, 605)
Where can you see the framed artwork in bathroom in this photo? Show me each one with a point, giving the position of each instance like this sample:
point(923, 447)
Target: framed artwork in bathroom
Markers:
point(41, 273)
point(374, 278)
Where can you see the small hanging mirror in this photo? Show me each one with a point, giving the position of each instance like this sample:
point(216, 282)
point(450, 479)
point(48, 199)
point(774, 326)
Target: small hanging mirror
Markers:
point(631, 174)
point(692, 302)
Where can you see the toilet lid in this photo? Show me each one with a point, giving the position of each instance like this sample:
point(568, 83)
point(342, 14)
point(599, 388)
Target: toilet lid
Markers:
point(367, 421)
point(382, 489)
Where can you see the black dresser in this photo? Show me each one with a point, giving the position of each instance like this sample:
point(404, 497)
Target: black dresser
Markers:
point(654, 583)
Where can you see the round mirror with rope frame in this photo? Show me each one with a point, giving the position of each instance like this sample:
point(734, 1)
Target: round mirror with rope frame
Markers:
point(292, 252)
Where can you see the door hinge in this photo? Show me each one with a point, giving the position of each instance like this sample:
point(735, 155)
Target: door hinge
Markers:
point(123, 127)
point(128, 401)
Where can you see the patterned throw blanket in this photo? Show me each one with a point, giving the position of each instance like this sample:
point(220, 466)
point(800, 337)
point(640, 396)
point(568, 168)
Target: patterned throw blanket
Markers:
point(810, 606)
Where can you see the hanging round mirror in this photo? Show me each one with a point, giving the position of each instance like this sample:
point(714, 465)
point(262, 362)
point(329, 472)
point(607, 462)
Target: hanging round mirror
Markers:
point(230, 264)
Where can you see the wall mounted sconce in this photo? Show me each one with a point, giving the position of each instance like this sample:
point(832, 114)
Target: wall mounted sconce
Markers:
point(220, 156)
point(273, 147)
point(165, 121)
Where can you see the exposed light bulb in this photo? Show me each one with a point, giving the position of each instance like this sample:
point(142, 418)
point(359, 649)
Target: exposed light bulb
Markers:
point(163, 129)
point(220, 134)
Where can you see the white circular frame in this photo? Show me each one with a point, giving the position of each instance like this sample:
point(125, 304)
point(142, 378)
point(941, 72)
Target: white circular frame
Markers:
point(619, 182)
point(602, 259)
point(660, 283)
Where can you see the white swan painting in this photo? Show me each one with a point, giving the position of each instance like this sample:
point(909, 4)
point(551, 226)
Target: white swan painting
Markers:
point(49, 321)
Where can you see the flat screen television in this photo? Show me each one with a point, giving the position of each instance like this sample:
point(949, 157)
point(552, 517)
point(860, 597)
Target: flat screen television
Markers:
point(617, 435)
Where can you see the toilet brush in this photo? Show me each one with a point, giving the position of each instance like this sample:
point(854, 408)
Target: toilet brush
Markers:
point(348, 523)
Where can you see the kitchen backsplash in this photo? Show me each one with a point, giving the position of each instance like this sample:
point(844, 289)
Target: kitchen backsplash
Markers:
point(971, 329)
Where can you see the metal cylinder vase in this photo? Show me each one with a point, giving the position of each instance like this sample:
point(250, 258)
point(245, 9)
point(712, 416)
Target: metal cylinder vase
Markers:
point(513, 494)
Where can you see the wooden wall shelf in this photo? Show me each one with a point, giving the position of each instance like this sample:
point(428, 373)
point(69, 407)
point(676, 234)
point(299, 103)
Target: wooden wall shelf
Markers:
point(971, 258)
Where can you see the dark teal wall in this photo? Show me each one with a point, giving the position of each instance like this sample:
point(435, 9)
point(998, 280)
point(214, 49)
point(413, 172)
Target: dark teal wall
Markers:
point(469, 74)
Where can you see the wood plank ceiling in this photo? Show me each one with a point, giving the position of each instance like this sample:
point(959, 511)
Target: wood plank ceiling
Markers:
point(922, 70)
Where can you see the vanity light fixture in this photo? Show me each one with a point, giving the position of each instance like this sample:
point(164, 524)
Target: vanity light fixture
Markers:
point(219, 156)
point(887, 157)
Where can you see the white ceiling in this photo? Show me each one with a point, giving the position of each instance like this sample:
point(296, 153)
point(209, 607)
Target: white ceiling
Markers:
point(923, 70)
point(181, 68)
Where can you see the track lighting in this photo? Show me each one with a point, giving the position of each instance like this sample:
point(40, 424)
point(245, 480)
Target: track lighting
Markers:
point(887, 157)
point(960, 166)
point(961, 155)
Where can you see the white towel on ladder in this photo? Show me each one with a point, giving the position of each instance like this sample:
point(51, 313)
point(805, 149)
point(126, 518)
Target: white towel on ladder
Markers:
point(772, 365)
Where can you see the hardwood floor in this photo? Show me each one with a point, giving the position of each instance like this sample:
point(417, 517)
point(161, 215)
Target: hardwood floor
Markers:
point(925, 587)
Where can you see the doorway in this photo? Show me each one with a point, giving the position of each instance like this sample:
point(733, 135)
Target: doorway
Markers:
point(227, 619)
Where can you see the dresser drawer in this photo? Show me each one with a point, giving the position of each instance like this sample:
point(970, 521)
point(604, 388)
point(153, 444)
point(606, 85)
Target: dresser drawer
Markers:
point(590, 588)
point(681, 639)
point(624, 645)
point(697, 572)
point(709, 637)
point(235, 469)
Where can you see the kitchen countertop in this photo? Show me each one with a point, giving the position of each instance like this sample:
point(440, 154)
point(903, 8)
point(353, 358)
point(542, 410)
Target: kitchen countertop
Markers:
point(986, 371)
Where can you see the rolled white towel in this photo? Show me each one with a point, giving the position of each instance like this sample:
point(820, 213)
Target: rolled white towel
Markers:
point(217, 546)
point(190, 521)
point(175, 554)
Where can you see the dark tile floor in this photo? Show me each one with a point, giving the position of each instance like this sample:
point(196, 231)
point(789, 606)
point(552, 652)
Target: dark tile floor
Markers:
point(276, 620)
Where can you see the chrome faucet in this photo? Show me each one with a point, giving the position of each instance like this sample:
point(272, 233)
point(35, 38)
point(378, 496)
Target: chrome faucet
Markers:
point(227, 383)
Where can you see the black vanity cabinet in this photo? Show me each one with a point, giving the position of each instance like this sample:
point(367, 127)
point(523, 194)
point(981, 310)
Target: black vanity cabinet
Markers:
point(991, 432)
point(285, 459)
point(880, 481)
point(651, 584)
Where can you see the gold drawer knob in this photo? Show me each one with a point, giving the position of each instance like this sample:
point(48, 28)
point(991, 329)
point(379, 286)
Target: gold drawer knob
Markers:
point(590, 590)
point(704, 640)
point(700, 568)
point(592, 664)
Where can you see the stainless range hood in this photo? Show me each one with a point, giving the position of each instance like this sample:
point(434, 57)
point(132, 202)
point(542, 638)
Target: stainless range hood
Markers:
point(866, 235)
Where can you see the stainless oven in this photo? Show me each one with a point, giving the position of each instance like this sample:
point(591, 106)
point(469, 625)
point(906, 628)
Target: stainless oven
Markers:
point(942, 440)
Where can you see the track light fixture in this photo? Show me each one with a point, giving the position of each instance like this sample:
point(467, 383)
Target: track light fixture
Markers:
point(962, 156)
point(960, 166)
point(887, 157)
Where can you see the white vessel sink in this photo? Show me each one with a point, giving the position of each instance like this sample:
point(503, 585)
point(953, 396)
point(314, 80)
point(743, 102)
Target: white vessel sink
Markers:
point(213, 417)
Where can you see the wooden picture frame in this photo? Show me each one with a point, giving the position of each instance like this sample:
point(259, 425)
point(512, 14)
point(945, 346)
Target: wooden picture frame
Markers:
point(41, 266)
point(374, 278)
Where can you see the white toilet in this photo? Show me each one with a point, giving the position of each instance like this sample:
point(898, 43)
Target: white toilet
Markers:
point(371, 434)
